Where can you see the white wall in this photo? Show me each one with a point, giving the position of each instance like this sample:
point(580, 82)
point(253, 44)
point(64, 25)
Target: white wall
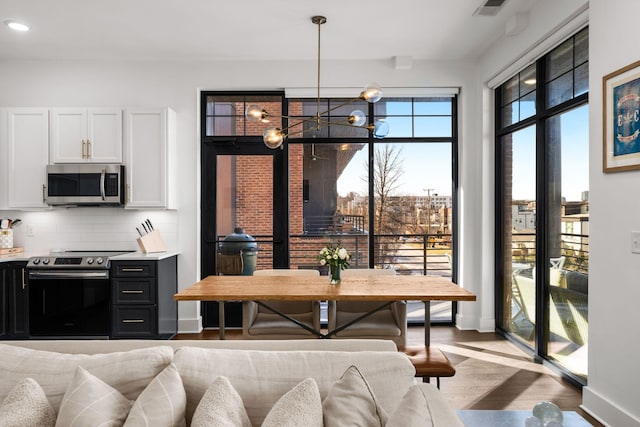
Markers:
point(614, 291)
point(176, 85)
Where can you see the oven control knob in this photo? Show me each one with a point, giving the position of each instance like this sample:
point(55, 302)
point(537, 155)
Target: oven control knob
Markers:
point(45, 261)
point(36, 261)
point(99, 260)
point(89, 261)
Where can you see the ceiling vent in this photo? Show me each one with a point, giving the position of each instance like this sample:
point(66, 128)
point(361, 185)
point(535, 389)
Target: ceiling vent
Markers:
point(489, 8)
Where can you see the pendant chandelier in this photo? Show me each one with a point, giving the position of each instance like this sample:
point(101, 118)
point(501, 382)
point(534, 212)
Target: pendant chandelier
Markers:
point(273, 137)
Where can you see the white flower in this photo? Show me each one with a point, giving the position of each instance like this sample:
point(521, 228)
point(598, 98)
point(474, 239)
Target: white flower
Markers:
point(328, 256)
point(323, 262)
point(335, 256)
point(342, 253)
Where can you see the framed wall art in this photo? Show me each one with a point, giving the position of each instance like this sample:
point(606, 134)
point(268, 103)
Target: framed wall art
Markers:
point(621, 119)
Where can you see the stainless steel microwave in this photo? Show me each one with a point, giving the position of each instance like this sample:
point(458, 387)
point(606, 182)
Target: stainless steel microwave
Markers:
point(85, 184)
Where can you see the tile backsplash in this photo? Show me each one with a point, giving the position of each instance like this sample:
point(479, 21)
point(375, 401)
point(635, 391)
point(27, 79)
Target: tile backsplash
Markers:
point(93, 228)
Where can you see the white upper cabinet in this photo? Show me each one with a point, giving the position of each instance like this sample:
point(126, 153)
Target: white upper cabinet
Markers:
point(80, 135)
point(27, 145)
point(150, 151)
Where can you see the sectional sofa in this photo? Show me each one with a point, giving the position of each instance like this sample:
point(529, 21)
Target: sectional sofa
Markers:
point(178, 383)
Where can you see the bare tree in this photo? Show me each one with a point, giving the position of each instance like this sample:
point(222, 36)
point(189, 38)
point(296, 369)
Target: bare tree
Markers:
point(389, 210)
point(387, 172)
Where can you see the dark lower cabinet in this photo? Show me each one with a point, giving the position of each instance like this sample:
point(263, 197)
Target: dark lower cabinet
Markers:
point(4, 302)
point(142, 304)
point(14, 319)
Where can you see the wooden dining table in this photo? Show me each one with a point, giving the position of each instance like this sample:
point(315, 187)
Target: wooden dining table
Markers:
point(384, 289)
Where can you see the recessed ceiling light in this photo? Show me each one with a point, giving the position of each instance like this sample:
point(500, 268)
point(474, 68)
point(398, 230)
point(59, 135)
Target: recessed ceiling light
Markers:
point(16, 26)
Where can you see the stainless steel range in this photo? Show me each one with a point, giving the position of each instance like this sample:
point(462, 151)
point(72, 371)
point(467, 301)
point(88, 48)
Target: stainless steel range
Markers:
point(73, 261)
point(70, 294)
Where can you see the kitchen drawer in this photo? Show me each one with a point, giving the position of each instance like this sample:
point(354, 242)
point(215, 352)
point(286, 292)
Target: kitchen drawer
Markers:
point(134, 291)
point(134, 321)
point(133, 269)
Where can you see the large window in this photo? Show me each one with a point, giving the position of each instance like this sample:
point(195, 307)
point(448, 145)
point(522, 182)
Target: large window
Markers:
point(394, 212)
point(391, 202)
point(543, 206)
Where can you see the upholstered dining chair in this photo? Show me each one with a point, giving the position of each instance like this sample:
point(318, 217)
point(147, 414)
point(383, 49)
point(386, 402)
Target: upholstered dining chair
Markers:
point(260, 323)
point(388, 323)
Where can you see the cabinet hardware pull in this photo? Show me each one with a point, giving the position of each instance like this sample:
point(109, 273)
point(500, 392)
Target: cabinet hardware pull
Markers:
point(133, 321)
point(88, 149)
point(83, 148)
point(128, 195)
point(137, 269)
point(44, 189)
point(125, 291)
point(24, 285)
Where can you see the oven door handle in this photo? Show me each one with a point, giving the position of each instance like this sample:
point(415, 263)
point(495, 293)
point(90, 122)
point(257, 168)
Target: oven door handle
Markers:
point(68, 274)
point(102, 183)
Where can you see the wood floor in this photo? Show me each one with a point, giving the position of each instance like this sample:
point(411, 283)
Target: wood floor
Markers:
point(491, 372)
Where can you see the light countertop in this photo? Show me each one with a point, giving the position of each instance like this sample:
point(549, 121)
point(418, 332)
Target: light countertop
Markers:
point(139, 256)
point(131, 256)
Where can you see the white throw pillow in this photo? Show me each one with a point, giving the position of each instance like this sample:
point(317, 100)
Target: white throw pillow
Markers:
point(301, 406)
point(27, 406)
point(351, 402)
point(162, 403)
point(220, 406)
point(129, 371)
point(90, 402)
point(413, 410)
point(261, 377)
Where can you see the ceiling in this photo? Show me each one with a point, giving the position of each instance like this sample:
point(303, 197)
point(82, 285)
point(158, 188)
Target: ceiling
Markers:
point(250, 29)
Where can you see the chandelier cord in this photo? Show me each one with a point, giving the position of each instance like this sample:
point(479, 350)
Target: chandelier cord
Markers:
point(320, 22)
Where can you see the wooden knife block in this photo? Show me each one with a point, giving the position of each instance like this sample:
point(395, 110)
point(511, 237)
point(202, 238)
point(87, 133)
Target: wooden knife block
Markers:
point(152, 242)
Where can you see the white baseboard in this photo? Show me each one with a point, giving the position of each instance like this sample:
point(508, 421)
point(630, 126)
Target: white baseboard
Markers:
point(605, 411)
point(487, 325)
point(190, 326)
point(472, 323)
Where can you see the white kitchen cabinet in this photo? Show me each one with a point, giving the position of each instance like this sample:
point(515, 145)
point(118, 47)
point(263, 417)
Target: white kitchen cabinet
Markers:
point(81, 135)
point(27, 148)
point(150, 154)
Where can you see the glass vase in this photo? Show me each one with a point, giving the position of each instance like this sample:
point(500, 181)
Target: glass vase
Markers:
point(334, 274)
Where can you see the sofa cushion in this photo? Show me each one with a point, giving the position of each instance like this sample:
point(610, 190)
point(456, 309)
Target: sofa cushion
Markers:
point(300, 406)
point(261, 377)
point(221, 406)
point(27, 405)
point(128, 372)
point(162, 403)
point(90, 401)
point(413, 410)
point(352, 402)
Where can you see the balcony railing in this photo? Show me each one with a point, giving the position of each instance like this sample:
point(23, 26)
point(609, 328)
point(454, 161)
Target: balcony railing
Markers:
point(336, 224)
point(574, 247)
point(409, 254)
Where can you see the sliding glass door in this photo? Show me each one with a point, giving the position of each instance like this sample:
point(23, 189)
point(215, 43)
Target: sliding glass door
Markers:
point(542, 221)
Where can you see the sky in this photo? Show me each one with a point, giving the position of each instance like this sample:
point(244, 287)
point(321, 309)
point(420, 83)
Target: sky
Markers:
point(574, 136)
point(425, 166)
point(428, 165)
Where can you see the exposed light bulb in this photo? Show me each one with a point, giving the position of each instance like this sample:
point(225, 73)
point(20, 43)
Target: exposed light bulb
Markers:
point(357, 118)
point(371, 93)
point(255, 113)
point(381, 129)
point(273, 137)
